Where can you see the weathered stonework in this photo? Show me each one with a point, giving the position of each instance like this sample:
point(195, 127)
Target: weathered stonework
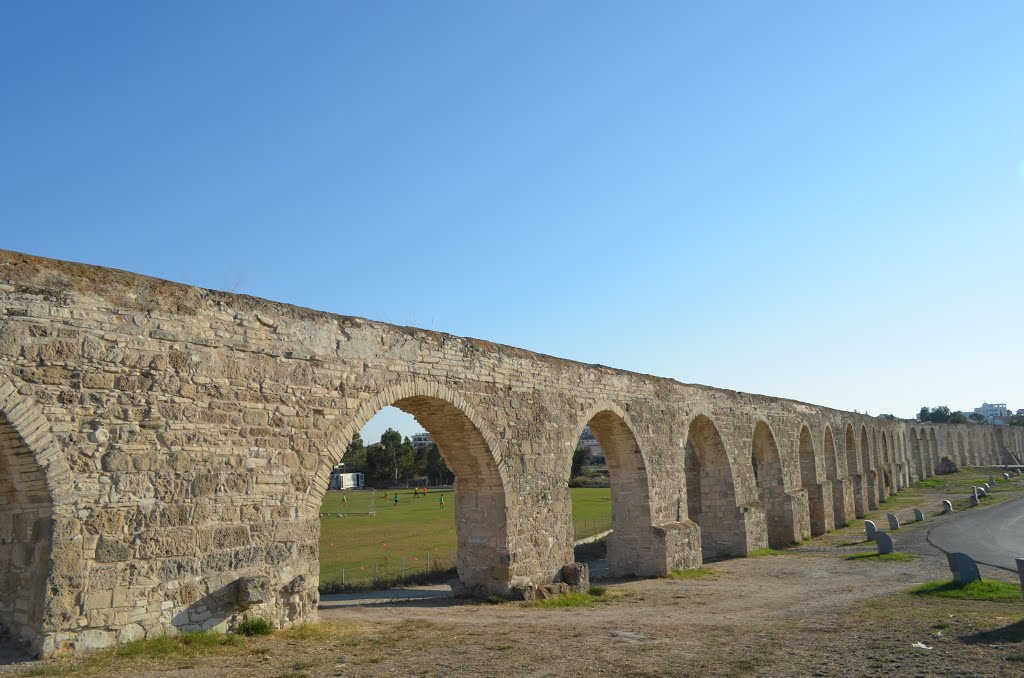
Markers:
point(164, 451)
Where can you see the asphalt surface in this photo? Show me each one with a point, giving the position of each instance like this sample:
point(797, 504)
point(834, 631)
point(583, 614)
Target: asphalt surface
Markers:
point(994, 536)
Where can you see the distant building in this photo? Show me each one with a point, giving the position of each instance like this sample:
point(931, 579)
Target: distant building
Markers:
point(992, 411)
point(588, 441)
point(343, 478)
point(420, 440)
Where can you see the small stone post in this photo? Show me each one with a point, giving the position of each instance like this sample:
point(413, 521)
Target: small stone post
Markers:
point(1020, 573)
point(918, 516)
point(963, 567)
point(974, 496)
point(884, 543)
point(947, 506)
point(894, 522)
point(870, 531)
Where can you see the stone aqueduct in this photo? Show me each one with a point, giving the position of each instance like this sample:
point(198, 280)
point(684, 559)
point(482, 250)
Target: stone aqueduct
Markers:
point(164, 451)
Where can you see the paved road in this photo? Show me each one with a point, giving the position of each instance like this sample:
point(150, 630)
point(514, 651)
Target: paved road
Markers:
point(993, 536)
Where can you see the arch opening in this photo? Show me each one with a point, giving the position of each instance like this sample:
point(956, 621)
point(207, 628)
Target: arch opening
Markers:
point(870, 473)
point(835, 472)
point(630, 542)
point(809, 480)
point(477, 497)
point(771, 487)
point(711, 492)
point(26, 526)
point(852, 472)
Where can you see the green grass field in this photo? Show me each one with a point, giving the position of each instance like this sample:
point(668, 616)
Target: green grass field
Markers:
point(417, 531)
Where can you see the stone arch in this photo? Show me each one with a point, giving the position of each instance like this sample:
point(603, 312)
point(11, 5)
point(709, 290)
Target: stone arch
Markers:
point(711, 491)
point(885, 464)
point(961, 449)
point(809, 481)
point(869, 471)
point(35, 495)
point(933, 451)
point(835, 472)
point(484, 562)
point(855, 473)
point(771, 485)
point(923, 454)
point(630, 543)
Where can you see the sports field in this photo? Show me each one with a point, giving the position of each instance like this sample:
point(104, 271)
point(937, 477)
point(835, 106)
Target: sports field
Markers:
point(416, 530)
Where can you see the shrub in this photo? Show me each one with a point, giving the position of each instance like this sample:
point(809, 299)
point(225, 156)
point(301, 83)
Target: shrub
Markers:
point(254, 626)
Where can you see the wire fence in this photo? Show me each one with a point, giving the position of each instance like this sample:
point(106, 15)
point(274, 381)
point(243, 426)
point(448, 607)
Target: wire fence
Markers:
point(394, 570)
point(588, 527)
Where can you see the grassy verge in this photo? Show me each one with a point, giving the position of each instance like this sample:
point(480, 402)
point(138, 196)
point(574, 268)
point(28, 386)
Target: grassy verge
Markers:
point(757, 553)
point(997, 591)
point(692, 573)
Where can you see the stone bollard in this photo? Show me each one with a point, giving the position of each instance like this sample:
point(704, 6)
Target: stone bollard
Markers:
point(894, 522)
point(974, 496)
point(947, 506)
point(884, 543)
point(986, 487)
point(918, 516)
point(1020, 573)
point(870, 531)
point(982, 492)
point(1006, 476)
point(963, 567)
point(991, 480)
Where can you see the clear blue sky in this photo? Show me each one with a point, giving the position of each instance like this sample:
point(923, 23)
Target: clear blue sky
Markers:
point(817, 200)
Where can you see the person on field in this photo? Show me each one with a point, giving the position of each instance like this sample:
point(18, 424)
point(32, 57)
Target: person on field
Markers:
point(440, 498)
point(396, 497)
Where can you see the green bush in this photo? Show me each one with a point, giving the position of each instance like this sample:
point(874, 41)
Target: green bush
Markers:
point(254, 626)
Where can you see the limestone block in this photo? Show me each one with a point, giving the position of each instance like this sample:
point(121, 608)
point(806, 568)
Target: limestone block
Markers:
point(577, 576)
point(254, 590)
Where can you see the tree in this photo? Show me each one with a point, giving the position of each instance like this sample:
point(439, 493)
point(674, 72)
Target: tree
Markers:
point(1017, 420)
point(941, 415)
point(976, 417)
point(355, 454)
point(437, 470)
point(579, 458)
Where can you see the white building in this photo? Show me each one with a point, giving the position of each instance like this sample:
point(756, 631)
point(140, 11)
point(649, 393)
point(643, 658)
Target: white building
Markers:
point(588, 441)
point(420, 440)
point(992, 410)
point(346, 481)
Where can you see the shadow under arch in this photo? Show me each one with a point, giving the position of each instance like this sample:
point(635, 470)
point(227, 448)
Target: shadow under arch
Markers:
point(961, 450)
point(771, 485)
point(885, 487)
point(711, 500)
point(853, 472)
point(933, 451)
point(484, 561)
point(835, 472)
point(35, 490)
point(631, 543)
point(809, 481)
point(869, 471)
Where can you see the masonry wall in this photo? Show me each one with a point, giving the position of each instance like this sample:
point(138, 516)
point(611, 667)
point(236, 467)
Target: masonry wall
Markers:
point(184, 438)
